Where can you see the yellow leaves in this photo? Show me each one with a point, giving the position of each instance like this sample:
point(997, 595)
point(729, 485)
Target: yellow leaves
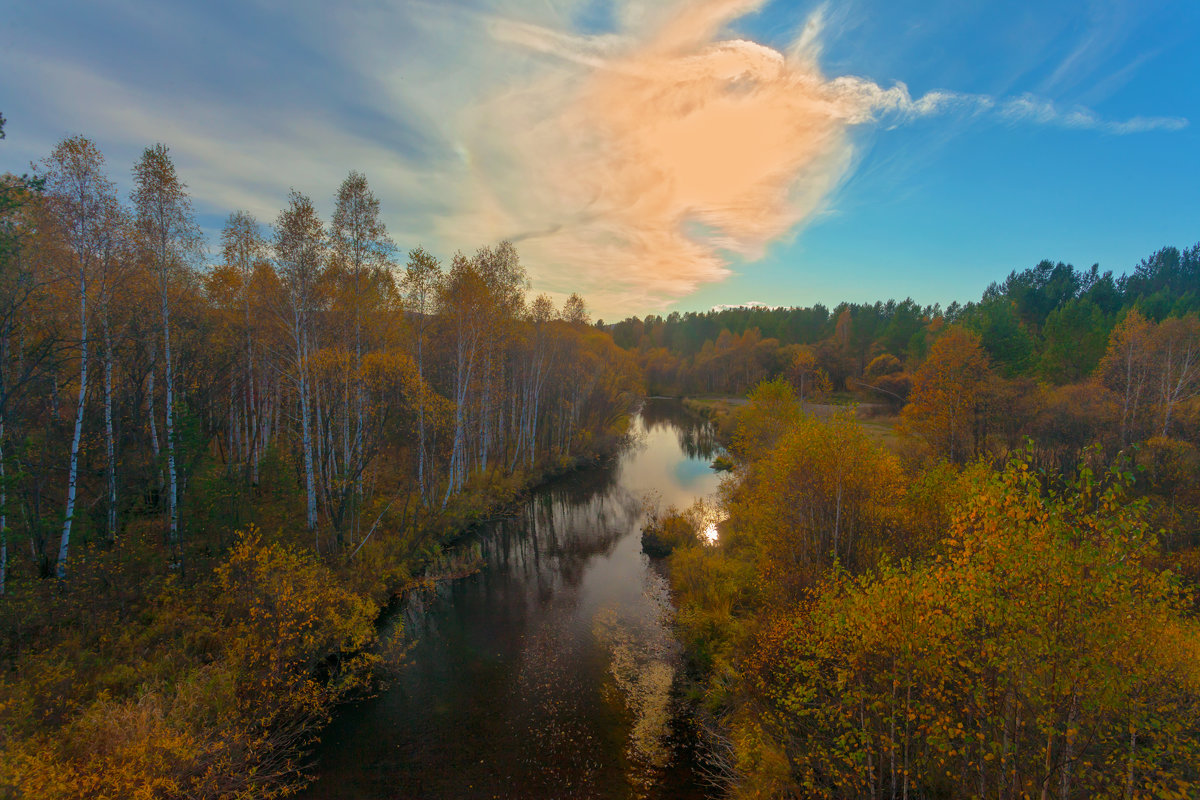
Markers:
point(942, 405)
point(226, 729)
point(287, 614)
point(1032, 626)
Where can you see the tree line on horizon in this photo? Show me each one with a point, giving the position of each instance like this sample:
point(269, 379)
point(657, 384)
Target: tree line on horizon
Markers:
point(1050, 323)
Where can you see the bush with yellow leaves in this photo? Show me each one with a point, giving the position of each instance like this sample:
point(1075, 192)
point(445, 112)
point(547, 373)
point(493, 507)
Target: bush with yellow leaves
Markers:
point(285, 641)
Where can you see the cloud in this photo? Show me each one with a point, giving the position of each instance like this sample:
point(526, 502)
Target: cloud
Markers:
point(641, 162)
point(633, 166)
point(1028, 108)
point(747, 304)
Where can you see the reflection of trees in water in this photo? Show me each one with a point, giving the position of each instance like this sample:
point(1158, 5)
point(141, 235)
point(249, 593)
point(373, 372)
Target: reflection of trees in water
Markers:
point(700, 441)
point(517, 628)
point(664, 413)
point(547, 545)
point(697, 436)
point(543, 547)
point(643, 660)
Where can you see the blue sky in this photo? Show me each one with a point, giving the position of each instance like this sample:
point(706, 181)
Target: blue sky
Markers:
point(467, 117)
point(939, 208)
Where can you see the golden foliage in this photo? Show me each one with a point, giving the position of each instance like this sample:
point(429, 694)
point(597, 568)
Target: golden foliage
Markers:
point(284, 641)
point(1038, 651)
point(945, 399)
point(824, 493)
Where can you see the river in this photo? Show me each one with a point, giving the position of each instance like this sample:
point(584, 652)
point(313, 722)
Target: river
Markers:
point(548, 673)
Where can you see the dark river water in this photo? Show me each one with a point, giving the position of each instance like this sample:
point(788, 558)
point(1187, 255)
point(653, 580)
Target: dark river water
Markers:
point(548, 673)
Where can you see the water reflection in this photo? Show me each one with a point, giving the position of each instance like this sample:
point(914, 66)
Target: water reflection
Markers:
point(548, 674)
point(643, 661)
point(696, 435)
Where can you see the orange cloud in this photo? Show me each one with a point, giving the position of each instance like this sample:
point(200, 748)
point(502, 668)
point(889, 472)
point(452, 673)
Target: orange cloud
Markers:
point(631, 167)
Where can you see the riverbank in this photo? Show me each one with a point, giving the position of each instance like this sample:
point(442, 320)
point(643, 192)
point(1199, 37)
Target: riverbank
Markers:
point(876, 420)
point(215, 682)
point(548, 668)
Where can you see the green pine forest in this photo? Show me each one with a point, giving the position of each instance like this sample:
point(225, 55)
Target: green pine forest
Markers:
point(957, 551)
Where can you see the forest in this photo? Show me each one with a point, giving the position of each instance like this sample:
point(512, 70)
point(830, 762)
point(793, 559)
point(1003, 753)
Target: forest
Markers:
point(1049, 324)
point(995, 599)
point(217, 468)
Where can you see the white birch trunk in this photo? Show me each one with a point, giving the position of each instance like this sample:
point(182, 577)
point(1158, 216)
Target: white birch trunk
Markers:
point(172, 477)
point(233, 439)
point(253, 422)
point(73, 468)
point(109, 438)
point(154, 446)
point(3, 515)
point(347, 448)
point(306, 433)
point(3, 474)
point(358, 431)
point(421, 419)
point(458, 453)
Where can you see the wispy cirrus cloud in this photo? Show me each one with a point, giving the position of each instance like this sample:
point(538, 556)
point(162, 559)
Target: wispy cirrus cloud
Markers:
point(1028, 108)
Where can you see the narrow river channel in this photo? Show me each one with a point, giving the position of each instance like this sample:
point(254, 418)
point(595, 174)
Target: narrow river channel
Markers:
point(548, 674)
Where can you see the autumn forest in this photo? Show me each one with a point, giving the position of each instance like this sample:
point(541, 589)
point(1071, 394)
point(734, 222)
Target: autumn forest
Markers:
point(959, 547)
point(213, 478)
point(955, 551)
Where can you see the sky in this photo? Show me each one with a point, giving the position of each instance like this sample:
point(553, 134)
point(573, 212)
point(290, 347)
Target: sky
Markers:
point(655, 155)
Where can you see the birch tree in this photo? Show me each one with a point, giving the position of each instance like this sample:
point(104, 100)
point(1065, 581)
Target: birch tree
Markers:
point(24, 348)
point(422, 285)
point(1126, 369)
point(463, 306)
point(538, 363)
point(169, 237)
point(115, 259)
point(245, 250)
point(504, 283)
point(1177, 353)
point(360, 244)
point(300, 248)
point(80, 198)
point(945, 395)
